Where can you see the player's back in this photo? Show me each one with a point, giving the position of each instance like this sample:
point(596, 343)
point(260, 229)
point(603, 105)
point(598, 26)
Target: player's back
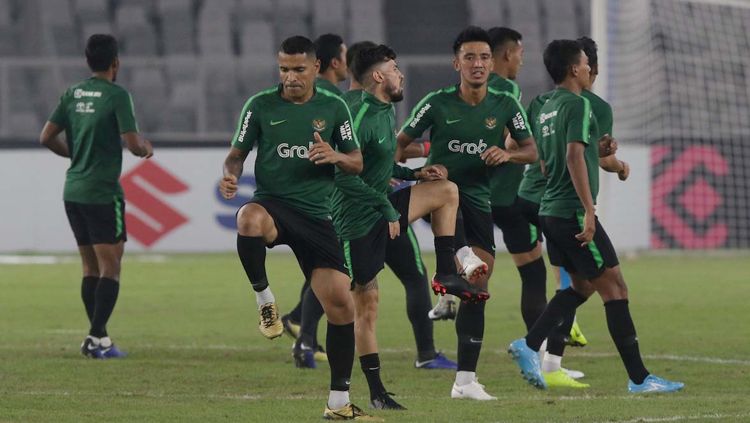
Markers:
point(94, 112)
point(565, 118)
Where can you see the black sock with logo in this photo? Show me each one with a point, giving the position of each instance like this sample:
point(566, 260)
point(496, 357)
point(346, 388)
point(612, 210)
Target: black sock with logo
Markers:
point(252, 252)
point(470, 331)
point(106, 298)
point(88, 294)
point(371, 368)
point(622, 331)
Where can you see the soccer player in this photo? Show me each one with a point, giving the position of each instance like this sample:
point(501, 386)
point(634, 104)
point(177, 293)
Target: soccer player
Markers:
point(575, 238)
point(366, 216)
point(466, 123)
point(520, 237)
point(96, 114)
point(331, 52)
point(302, 135)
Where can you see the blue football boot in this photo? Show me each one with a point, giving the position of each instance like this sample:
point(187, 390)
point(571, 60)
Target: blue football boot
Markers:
point(528, 361)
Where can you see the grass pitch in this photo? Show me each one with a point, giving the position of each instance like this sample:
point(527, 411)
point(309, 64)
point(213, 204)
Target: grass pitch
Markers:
point(189, 325)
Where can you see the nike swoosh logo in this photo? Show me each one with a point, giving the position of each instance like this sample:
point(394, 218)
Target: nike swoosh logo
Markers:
point(422, 363)
point(460, 391)
point(276, 122)
point(475, 340)
point(380, 141)
point(451, 121)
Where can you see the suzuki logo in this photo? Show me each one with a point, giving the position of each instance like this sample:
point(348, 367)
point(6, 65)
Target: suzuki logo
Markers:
point(147, 217)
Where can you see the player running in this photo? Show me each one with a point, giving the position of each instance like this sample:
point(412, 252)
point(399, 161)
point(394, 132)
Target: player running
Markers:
point(96, 114)
point(366, 216)
point(575, 238)
point(302, 136)
point(466, 124)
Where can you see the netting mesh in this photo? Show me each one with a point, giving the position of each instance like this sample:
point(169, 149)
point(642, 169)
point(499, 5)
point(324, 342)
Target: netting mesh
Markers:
point(678, 81)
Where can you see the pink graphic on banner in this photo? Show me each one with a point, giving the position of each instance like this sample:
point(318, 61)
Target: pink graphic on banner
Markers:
point(156, 218)
point(699, 200)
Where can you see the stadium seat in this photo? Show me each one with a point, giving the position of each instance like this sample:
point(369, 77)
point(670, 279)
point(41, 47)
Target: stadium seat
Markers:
point(135, 31)
point(253, 10)
point(214, 28)
point(178, 26)
point(328, 16)
point(149, 90)
point(366, 21)
point(89, 11)
point(58, 28)
point(256, 39)
point(485, 13)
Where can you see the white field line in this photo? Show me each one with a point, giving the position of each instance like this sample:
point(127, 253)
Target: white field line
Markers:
point(11, 259)
point(254, 348)
point(712, 416)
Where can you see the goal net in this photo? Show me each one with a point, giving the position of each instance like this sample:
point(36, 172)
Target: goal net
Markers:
point(677, 73)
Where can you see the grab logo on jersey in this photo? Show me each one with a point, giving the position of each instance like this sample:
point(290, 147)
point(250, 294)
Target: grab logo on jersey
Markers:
point(457, 146)
point(300, 151)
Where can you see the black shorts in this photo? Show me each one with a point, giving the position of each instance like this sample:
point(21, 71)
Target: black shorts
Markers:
point(519, 235)
point(97, 223)
point(565, 250)
point(404, 258)
point(313, 241)
point(477, 226)
point(365, 256)
point(530, 211)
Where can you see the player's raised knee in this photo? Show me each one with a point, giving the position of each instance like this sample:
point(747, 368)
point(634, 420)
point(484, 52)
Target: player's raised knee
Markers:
point(252, 219)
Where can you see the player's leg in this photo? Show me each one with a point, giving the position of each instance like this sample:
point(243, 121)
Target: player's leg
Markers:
point(440, 200)
point(292, 320)
point(576, 337)
point(405, 260)
point(90, 278)
point(610, 285)
point(522, 241)
point(470, 317)
point(256, 229)
point(306, 349)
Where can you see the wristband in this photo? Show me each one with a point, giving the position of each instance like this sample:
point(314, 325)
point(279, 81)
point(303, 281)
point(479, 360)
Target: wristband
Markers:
point(426, 148)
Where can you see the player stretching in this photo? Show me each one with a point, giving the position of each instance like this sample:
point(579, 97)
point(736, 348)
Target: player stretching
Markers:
point(96, 114)
point(366, 216)
point(575, 238)
point(466, 125)
point(302, 135)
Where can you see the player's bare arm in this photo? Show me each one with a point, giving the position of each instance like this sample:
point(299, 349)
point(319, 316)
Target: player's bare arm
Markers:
point(49, 138)
point(434, 172)
point(576, 164)
point(138, 145)
point(233, 165)
point(525, 153)
point(322, 153)
point(402, 141)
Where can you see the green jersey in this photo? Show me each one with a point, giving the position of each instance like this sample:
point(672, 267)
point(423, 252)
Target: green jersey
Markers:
point(460, 132)
point(328, 86)
point(602, 115)
point(505, 178)
point(533, 183)
point(360, 201)
point(352, 96)
point(566, 118)
point(94, 113)
point(283, 133)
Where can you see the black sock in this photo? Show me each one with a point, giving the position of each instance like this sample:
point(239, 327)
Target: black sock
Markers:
point(557, 339)
point(106, 298)
point(554, 315)
point(371, 368)
point(340, 349)
point(252, 252)
point(460, 237)
point(312, 311)
point(445, 255)
point(296, 313)
point(88, 294)
point(470, 331)
point(418, 304)
point(533, 291)
point(622, 331)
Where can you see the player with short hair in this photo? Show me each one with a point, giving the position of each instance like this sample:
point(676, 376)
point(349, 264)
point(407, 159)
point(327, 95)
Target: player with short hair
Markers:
point(366, 215)
point(96, 114)
point(466, 123)
point(575, 238)
point(332, 54)
point(302, 136)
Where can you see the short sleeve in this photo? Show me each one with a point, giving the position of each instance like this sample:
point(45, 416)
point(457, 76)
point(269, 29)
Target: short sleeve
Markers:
point(518, 123)
point(125, 113)
point(248, 127)
point(421, 118)
point(605, 120)
point(578, 122)
point(344, 136)
point(60, 114)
